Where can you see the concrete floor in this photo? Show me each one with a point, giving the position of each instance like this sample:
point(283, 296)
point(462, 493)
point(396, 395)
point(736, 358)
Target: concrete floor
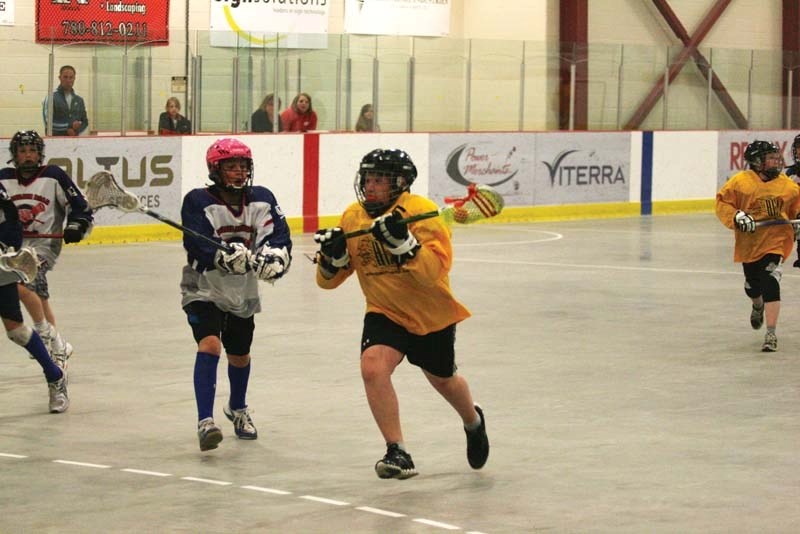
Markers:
point(623, 388)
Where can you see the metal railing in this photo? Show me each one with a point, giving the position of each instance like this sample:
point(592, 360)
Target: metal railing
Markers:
point(414, 84)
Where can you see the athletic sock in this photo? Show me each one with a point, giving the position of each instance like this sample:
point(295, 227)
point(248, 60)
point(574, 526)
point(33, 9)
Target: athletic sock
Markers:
point(771, 329)
point(205, 383)
point(239, 377)
point(36, 348)
point(474, 425)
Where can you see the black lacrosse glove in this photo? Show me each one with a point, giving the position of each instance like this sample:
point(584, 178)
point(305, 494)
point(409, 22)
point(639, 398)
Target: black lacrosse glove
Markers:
point(75, 230)
point(390, 229)
point(333, 253)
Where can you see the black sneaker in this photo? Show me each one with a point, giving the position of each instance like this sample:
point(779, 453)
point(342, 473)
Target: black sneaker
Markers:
point(242, 423)
point(477, 443)
point(396, 464)
point(757, 317)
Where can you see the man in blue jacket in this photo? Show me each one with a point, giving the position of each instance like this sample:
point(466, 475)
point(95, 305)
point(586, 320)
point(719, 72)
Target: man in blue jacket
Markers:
point(69, 109)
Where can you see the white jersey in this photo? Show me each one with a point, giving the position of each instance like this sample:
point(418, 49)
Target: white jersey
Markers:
point(258, 222)
point(45, 202)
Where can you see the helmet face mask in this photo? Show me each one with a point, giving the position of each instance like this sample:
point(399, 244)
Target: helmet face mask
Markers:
point(26, 138)
point(230, 165)
point(383, 175)
point(765, 158)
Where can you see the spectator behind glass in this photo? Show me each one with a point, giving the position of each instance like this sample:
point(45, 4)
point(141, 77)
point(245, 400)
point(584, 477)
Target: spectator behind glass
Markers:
point(366, 120)
point(69, 110)
point(262, 119)
point(300, 116)
point(171, 122)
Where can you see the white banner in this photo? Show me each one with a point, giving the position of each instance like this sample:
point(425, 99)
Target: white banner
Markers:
point(280, 16)
point(231, 39)
point(397, 17)
point(149, 167)
point(7, 12)
point(506, 162)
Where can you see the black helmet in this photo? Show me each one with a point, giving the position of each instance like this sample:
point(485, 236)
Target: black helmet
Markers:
point(22, 138)
point(394, 163)
point(795, 146)
point(756, 156)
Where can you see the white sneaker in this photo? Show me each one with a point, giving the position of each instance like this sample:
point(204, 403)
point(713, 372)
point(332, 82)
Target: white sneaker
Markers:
point(47, 340)
point(770, 343)
point(209, 434)
point(59, 400)
point(60, 357)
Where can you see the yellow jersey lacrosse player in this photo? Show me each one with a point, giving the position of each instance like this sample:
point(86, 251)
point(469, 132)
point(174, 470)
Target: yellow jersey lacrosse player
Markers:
point(411, 312)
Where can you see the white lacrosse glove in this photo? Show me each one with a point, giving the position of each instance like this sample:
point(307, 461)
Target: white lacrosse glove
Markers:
point(744, 222)
point(271, 263)
point(235, 262)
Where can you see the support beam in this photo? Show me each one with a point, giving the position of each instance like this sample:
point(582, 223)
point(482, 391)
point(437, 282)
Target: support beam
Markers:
point(702, 64)
point(573, 50)
point(650, 100)
point(791, 61)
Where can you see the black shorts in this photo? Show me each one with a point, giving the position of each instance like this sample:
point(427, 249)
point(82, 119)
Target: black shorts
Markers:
point(434, 352)
point(760, 277)
point(206, 320)
point(9, 303)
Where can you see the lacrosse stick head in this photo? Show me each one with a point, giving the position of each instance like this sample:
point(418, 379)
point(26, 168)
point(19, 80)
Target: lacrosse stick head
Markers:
point(482, 202)
point(102, 190)
point(24, 263)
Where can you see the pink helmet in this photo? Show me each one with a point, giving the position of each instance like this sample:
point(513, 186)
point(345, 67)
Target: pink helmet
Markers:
point(223, 149)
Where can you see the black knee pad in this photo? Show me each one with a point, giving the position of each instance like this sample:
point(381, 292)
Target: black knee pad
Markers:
point(751, 291)
point(771, 287)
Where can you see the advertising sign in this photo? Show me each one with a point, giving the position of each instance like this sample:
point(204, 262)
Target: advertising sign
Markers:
point(150, 168)
point(732, 144)
point(397, 17)
point(505, 162)
point(582, 167)
point(280, 16)
point(106, 21)
point(7, 12)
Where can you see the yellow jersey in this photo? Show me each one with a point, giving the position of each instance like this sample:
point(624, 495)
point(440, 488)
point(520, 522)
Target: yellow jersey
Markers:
point(415, 295)
point(776, 199)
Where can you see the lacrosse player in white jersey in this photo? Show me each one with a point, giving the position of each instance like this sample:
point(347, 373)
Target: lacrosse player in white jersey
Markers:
point(47, 199)
point(11, 313)
point(220, 287)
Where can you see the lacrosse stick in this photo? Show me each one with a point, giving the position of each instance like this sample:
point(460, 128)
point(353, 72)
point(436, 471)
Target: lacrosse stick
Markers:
point(27, 235)
point(482, 202)
point(103, 191)
point(23, 262)
point(773, 222)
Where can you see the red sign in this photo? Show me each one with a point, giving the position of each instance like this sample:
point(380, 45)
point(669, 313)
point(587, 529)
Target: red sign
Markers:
point(102, 21)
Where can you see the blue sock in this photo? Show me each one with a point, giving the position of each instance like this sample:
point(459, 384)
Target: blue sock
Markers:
point(205, 383)
point(238, 376)
point(37, 349)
